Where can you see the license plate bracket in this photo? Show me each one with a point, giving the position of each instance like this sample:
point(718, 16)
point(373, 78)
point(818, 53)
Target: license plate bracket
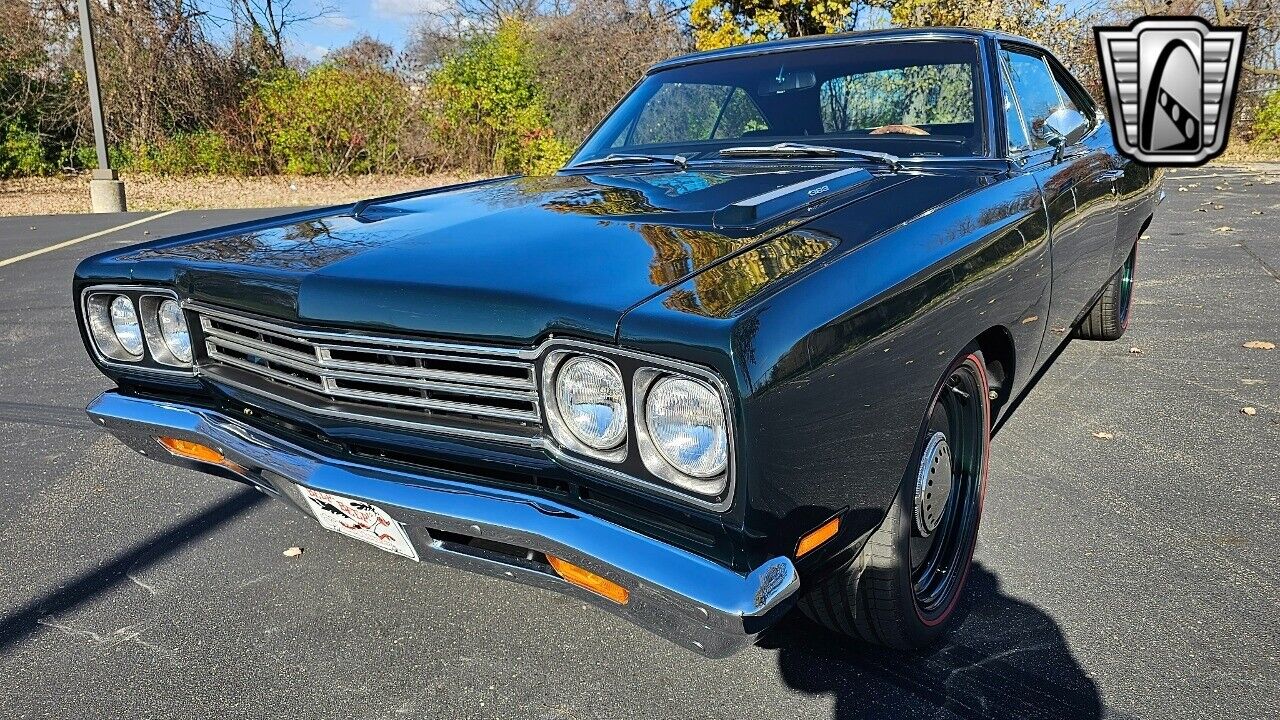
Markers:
point(359, 519)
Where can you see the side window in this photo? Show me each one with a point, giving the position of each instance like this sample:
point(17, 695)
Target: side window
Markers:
point(739, 116)
point(1012, 117)
point(679, 112)
point(1075, 93)
point(1038, 92)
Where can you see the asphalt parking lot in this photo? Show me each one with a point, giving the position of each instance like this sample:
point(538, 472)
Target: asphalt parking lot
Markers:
point(1131, 575)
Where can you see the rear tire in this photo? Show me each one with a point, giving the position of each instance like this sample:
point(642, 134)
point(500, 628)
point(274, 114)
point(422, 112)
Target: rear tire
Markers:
point(1109, 316)
point(904, 587)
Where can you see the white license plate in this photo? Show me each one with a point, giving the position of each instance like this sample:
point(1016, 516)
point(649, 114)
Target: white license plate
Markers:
point(360, 520)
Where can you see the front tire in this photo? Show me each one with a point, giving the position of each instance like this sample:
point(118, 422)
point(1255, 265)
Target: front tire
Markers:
point(903, 589)
point(1109, 316)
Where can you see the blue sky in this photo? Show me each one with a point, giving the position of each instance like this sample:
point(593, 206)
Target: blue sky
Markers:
point(388, 20)
point(392, 21)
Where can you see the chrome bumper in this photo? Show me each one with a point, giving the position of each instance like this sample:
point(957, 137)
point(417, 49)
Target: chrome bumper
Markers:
point(686, 598)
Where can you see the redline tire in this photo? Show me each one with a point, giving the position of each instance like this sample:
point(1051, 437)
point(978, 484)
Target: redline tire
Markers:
point(879, 598)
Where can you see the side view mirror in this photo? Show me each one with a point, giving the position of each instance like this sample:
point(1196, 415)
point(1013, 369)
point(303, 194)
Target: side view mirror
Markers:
point(1067, 126)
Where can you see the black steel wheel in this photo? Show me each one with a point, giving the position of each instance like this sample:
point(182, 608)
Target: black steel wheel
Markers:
point(948, 491)
point(904, 588)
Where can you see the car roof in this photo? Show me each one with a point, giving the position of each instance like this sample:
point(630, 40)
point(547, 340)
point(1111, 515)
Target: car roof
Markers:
point(850, 38)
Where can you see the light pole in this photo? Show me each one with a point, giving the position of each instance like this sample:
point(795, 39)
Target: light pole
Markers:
point(106, 190)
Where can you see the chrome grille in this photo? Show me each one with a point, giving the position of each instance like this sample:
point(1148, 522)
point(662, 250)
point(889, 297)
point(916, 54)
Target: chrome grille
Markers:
point(434, 381)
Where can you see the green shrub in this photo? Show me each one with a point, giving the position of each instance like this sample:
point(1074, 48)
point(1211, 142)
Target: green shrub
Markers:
point(1266, 125)
point(206, 152)
point(85, 157)
point(22, 153)
point(330, 119)
point(490, 109)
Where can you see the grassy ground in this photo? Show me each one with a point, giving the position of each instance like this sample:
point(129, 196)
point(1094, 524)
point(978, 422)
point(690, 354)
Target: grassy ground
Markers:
point(70, 194)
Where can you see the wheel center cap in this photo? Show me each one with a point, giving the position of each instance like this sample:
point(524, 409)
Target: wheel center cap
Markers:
point(933, 485)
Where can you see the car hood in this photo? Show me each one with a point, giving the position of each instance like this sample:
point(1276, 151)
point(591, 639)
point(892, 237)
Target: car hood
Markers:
point(507, 261)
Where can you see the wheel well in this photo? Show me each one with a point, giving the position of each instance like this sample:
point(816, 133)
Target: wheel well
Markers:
point(998, 353)
point(1145, 224)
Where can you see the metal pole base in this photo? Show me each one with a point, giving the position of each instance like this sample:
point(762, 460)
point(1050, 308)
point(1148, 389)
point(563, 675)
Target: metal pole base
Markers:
point(106, 192)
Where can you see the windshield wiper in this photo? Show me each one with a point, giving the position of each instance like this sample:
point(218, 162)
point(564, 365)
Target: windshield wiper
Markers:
point(614, 159)
point(790, 149)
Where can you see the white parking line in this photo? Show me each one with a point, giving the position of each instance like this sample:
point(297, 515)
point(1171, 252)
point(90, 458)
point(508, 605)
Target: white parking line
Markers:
point(82, 238)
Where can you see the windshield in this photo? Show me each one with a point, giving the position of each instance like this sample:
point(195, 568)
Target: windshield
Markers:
point(910, 98)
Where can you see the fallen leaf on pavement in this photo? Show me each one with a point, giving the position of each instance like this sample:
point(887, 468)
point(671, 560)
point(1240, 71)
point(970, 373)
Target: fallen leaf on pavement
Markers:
point(1260, 345)
point(1103, 435)
point(1249, 410)
point(294, 551)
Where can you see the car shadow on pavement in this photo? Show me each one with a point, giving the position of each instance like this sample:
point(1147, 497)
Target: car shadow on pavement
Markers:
point(1007, 659)
point(19, 623)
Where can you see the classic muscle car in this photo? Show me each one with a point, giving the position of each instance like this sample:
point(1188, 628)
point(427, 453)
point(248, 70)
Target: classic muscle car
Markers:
point(746, 350)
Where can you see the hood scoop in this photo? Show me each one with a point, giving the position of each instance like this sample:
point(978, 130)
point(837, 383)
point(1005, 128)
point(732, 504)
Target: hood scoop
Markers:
point(758, 209)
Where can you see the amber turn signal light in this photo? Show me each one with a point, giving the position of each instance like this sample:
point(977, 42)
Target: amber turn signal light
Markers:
point(586, 579)
point(192, 450)
point(825, 532)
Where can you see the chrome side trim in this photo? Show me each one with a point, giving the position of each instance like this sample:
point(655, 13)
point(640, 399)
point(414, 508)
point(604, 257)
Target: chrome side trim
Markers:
point(684, 597)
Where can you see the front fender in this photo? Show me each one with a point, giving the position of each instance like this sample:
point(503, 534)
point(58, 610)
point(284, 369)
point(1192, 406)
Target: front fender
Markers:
point(837, 363)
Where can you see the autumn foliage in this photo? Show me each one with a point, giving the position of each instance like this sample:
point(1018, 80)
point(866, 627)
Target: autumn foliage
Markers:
point(492, 87)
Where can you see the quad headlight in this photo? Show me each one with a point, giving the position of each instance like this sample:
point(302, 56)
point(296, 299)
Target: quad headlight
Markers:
point(586, 405)
point(166, 329)
point(687, 426)
point(173, 329)
point(113, 323)
point(139, 326)
point(591, 402)
point(661, 423)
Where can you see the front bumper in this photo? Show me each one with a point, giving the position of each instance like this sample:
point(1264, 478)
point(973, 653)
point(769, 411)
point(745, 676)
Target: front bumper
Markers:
point(688, 599)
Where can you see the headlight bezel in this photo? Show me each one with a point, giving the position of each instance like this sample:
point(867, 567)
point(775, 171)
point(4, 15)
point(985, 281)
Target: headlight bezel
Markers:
point(145, 300)
point(625, 466)
point(100, 329)
point(157, 344)
point(646, 380)
point(561, 432)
